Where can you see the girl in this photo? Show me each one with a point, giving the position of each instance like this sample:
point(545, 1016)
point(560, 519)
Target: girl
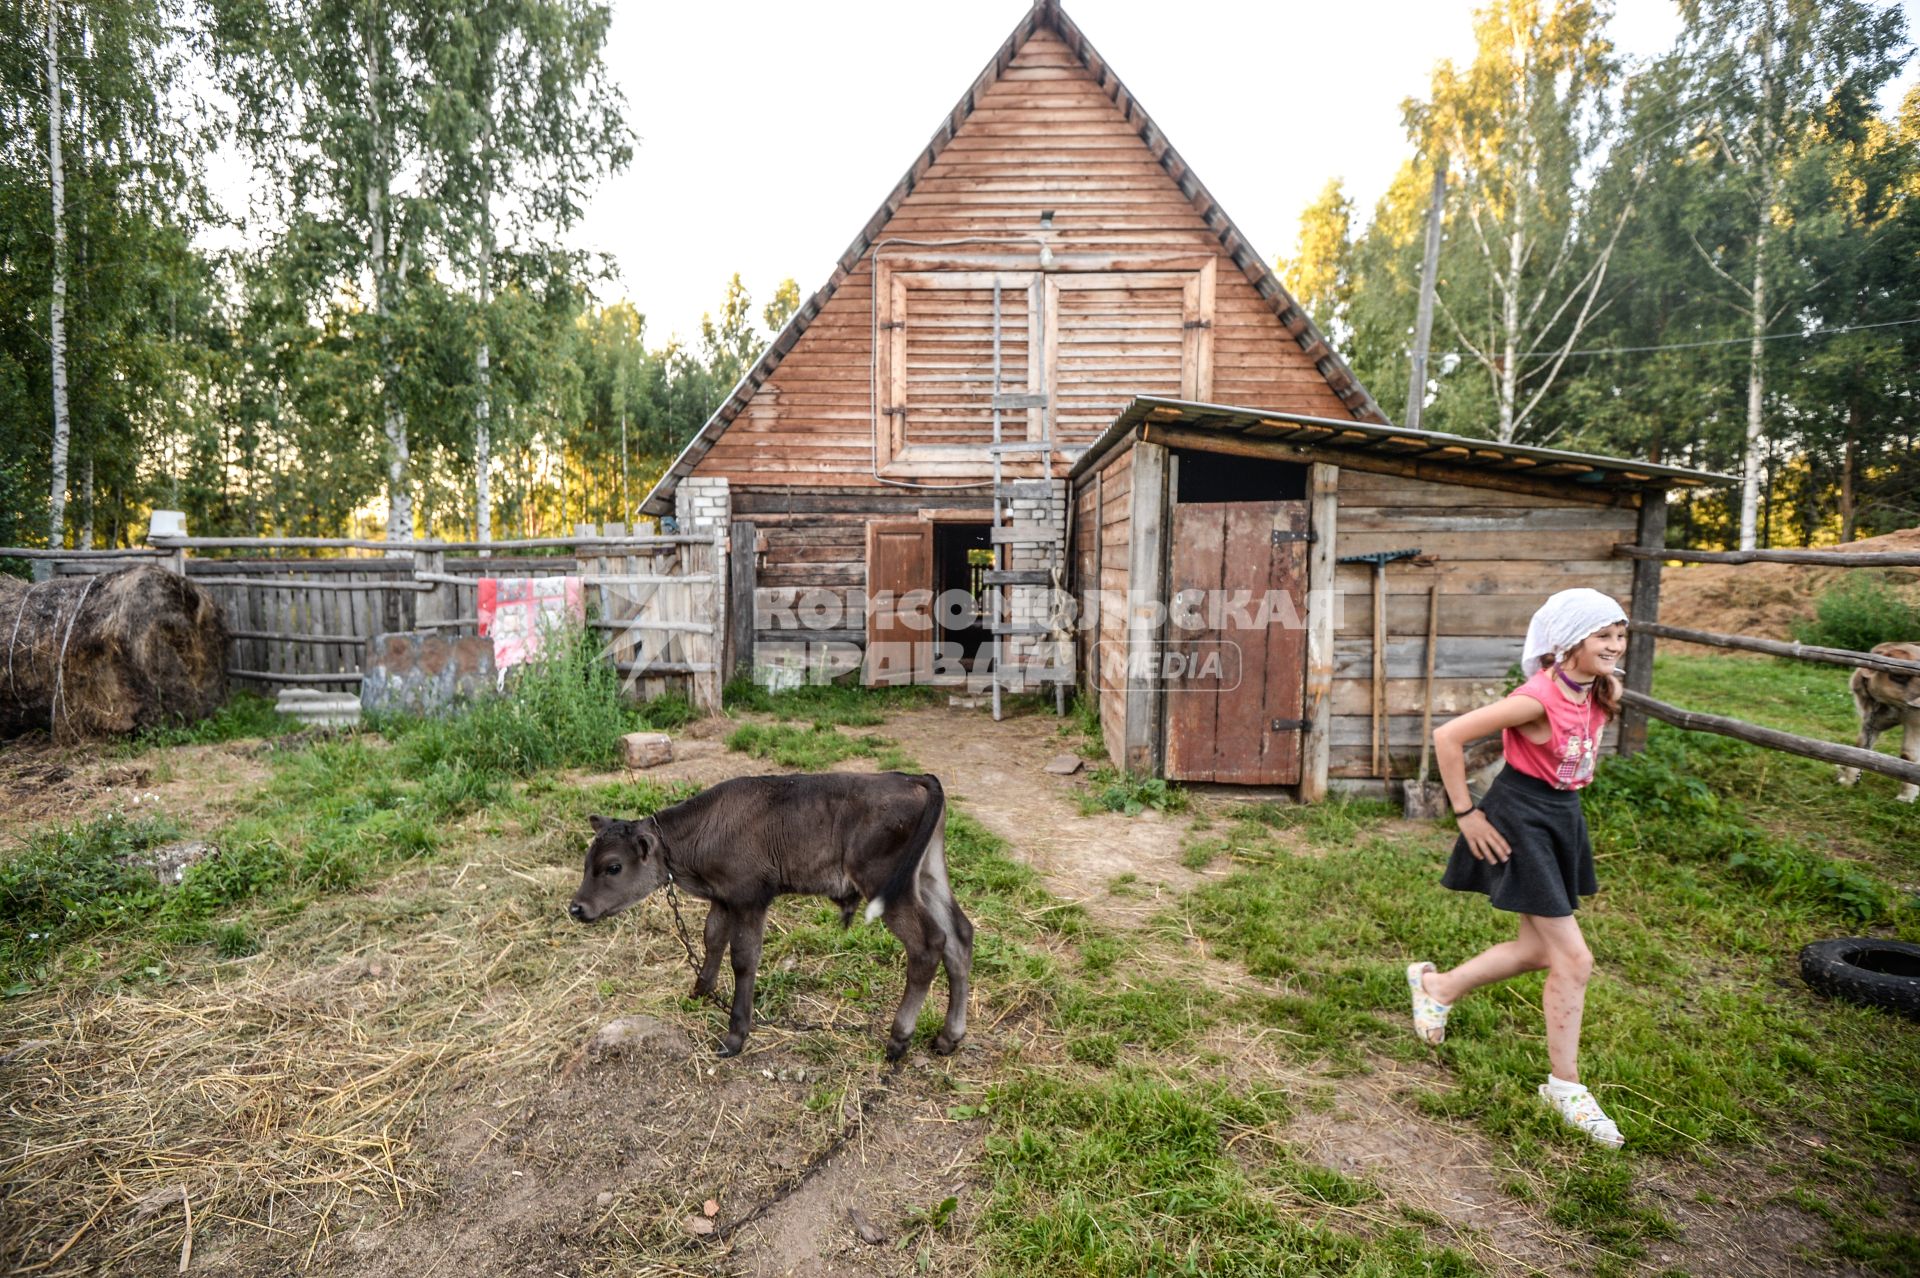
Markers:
point(1525, 846)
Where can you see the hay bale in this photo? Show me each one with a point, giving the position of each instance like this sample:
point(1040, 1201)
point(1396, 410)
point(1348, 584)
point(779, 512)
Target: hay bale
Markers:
point(97, 656)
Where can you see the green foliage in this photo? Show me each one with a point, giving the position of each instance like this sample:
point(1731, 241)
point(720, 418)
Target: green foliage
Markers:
point(1858, 612)
point(565, 709)
point(1110, 790)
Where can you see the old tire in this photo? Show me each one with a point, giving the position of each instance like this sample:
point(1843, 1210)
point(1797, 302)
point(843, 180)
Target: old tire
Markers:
point(1861, 969)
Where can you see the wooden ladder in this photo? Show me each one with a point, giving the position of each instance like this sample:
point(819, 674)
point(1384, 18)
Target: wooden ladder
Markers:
point(1003, 577)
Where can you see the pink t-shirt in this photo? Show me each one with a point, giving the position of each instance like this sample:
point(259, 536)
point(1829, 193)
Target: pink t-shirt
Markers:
point(1566, 760)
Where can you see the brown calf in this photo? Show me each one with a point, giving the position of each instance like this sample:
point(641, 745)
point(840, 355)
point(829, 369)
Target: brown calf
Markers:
point(746, 841)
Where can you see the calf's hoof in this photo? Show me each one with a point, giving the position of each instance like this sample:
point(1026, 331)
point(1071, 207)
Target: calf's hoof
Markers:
point(731, 1046)
point(945, 1046)
point(1907, 795)
point(897, 1047)
point(701, 989)
point(1848, 776)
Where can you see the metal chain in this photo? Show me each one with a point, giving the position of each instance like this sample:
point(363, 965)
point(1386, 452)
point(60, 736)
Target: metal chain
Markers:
point(686, 943)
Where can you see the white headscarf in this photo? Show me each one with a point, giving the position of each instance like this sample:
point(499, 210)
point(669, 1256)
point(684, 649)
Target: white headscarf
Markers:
point(1563, 621)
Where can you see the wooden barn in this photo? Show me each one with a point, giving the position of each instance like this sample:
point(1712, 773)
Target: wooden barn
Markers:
point(1045, 316)
point(1047, 257)
point(1243, 535)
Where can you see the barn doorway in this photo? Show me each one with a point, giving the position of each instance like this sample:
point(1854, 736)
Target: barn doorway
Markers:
point(1235, 665)
point(962, 554)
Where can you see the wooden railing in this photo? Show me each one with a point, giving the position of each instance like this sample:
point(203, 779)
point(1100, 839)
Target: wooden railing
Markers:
point(660, 601)
point(1643, 629)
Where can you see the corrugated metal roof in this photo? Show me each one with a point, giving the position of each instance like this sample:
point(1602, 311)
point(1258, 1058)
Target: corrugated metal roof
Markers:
point(1047, 14)
point(1431, 446)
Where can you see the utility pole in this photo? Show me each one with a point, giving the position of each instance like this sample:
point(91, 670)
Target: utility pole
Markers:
point(1429, 279)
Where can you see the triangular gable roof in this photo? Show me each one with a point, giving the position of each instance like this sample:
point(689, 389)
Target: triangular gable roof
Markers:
point(1044, 14)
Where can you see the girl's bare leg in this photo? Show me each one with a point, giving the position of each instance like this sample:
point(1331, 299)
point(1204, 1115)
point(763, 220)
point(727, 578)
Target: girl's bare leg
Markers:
point(1569, 965)
point(1527, 953)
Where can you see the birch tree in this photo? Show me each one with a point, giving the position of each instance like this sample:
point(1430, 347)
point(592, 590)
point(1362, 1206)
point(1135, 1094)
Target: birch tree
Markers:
point(334, 103)
point(1771, 76)
point(529, 119)
point(1522, 130)
point(57, 310)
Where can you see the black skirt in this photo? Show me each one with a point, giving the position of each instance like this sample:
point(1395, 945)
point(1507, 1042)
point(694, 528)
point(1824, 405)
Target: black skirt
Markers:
point(1552, 863)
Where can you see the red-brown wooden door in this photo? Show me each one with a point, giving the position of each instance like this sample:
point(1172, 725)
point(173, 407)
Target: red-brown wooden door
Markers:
point(1239, 571)
point(899, 603)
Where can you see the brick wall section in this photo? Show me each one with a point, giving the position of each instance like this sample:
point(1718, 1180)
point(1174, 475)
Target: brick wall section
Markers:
point(1035, 604)
point(702, 503)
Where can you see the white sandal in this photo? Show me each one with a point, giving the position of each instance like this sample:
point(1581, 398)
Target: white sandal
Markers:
point(1581, 1110)
point(1429, 1013)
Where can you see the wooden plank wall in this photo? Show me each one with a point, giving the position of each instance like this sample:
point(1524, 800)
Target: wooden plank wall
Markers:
point(1116, 516)
point(817, 542)
point(1042, 137)
point(1499, 555)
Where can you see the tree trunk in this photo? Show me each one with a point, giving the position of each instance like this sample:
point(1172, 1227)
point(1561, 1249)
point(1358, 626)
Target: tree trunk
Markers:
point(1423, 319)
point(86, 529)
point(1756, 392)
point(1846, 472)
point(483, 373)
point(57, 310)
point(394, 418)
point(1510, 334)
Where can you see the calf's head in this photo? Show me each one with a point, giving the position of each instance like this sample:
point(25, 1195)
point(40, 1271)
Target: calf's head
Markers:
point(624, 863)
point(1901, 691)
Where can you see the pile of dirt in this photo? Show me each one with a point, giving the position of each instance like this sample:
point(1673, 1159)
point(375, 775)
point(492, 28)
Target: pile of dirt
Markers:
point(103, 656)
point(1766, 600)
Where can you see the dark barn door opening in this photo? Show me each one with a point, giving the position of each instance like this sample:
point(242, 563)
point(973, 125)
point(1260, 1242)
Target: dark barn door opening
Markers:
point(1234, 669)
point(962, 553)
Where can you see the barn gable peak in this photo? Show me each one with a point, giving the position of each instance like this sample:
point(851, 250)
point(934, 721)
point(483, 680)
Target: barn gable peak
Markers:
point(1050, 17)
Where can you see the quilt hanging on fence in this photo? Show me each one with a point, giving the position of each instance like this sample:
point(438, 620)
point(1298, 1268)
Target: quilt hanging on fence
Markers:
point(518, 613)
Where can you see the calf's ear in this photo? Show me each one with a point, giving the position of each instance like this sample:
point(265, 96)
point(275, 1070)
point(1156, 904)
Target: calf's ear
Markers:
point(598, 823)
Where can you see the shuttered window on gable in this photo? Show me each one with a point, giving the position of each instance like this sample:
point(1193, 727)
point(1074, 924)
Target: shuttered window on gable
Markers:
point(1087, 342)
point(940, 356)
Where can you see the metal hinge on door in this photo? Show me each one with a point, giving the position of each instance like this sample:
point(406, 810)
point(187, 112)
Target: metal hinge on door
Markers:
point(1200, 323)
point(1289, 725)
point(1283, 535)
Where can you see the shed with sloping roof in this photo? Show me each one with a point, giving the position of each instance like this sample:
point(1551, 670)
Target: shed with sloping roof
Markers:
point(1227, 641)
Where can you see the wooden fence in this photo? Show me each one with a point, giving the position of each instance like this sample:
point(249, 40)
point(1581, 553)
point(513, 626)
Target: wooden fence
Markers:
point(1643, 628)
point(659, 602)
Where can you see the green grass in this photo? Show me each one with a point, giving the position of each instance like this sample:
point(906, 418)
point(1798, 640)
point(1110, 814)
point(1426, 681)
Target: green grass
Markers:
point(847, 705)
point(244, 715)
point(815, 748)
point(1717, 863)
point(1132, 1174)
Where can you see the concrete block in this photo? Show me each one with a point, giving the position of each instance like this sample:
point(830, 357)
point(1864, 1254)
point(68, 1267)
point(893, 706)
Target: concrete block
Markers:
point(646, 749)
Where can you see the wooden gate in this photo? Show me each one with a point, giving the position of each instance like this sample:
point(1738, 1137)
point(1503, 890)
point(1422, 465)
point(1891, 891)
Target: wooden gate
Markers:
point(1234, 674)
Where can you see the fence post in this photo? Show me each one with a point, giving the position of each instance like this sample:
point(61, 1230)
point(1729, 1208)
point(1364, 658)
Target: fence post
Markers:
point(439, 602)
point(1646, 608)
point(741, 579)
point(706, 683)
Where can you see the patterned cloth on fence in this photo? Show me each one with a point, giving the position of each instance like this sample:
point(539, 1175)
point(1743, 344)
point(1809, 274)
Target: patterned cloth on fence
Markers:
point(518, 612)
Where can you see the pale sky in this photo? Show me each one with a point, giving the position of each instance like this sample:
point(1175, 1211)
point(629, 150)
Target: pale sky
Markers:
point(769, 132)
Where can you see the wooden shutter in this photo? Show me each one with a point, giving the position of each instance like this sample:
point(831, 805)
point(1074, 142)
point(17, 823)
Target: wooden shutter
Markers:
point(899, 603)
point(1114, 335)
point(937, 361)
